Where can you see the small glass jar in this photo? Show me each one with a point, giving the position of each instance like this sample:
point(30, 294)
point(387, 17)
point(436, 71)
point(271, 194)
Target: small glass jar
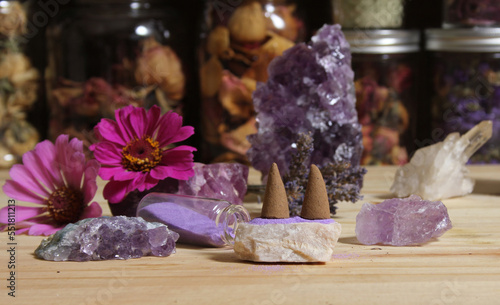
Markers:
point(465, 87)
point(368, 13)
point(199, 221)
point(385, 64)
point(240, 40)
point(107, 54)
point(471, 13)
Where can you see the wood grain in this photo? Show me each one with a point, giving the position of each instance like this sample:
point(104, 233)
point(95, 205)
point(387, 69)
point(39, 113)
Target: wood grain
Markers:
point(462, 267)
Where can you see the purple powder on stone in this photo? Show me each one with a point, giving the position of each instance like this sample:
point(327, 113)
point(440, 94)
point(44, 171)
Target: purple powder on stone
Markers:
point(194, 228)
point(296, 219)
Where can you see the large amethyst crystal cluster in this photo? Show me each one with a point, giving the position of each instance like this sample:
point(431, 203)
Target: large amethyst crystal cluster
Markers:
point(310, 89)
point(106, 238)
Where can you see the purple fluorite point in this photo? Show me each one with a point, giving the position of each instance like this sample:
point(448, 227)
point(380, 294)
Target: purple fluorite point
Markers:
point(402, 222)
point(310, 89)
point(106, 238)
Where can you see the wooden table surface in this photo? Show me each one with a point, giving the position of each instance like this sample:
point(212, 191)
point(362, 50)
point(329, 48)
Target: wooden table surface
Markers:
point(461, 267)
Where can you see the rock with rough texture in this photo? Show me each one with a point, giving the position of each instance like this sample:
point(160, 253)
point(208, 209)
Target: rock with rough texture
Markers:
point(106, 238)
point(310, 89)
point(402, 222)
point(226, 181)
point(438, 171)
point(287, 240)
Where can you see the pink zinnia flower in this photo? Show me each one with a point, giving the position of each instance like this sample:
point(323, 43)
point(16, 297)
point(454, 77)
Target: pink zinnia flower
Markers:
point(60, 180)
point(134, 153)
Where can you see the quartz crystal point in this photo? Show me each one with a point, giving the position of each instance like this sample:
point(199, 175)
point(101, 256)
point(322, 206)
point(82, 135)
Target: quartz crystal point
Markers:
point(104, 238)
point(401, 222)
point(438, 171)
point(310, 88)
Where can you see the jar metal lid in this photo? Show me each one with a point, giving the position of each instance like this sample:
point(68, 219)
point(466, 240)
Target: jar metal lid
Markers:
point(383, 41)
point(463, 40)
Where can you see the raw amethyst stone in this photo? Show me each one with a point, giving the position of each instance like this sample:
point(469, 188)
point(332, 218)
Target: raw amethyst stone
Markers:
point(401, 222)
point(106, 238)
point(226, 181)
point(310, 89)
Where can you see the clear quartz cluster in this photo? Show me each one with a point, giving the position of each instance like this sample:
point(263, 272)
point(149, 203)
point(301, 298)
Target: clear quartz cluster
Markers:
point(105, 238)
point(401, 222)
point(438, 171)
point(310, 89)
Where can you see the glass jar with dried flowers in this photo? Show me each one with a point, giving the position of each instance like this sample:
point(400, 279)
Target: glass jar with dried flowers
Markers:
point(465, 84)
point(18, 86)
point(104, 55)
point(240, 39)
point(385, 65)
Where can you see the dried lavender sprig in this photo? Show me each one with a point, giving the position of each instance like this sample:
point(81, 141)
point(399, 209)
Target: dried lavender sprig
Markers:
point(343, 182)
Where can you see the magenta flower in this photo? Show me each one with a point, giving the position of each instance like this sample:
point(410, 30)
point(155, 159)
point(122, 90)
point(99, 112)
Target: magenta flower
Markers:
point(134, 150)
point(60, 180)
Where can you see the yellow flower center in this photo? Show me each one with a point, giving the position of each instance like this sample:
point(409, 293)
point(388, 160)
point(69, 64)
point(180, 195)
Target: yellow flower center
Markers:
point(65, 205)
point(141, 155)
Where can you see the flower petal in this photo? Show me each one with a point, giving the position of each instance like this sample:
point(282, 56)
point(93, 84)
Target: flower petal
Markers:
point(108, 154)
point(138, 182)
point(89, 187)
point(168, 126)
point(21, 213)
point(21, 174)
point(44, 229)
point(126, 175)
point(47, 152)
point(91, 211)
point(35, 164)
point(182, 134)
point(137, 120)
point(71, 160)
point(121, 116)
point(21, 231)
point(108, 173)
point(152, 119)
point(109, 130)
point(19, 192)
point(115, 191)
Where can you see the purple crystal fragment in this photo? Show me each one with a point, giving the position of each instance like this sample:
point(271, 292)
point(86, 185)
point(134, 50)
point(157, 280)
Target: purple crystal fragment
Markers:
point(402, 222)
point(310, 88)
point(226, 181)
point(104, 238)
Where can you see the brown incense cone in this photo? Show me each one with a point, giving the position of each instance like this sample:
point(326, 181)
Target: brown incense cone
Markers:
point(275, 202)
point(315, 205)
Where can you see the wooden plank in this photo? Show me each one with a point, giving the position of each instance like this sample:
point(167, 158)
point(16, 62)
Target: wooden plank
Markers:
point(462, 267)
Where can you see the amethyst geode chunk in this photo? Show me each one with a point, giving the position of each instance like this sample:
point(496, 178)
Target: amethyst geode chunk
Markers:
point(402, 222)
point(310, 89)
point(105, 238)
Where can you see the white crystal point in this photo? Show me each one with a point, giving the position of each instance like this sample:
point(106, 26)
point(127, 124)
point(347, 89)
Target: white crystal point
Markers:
point(293, 242)
point(438, 171)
